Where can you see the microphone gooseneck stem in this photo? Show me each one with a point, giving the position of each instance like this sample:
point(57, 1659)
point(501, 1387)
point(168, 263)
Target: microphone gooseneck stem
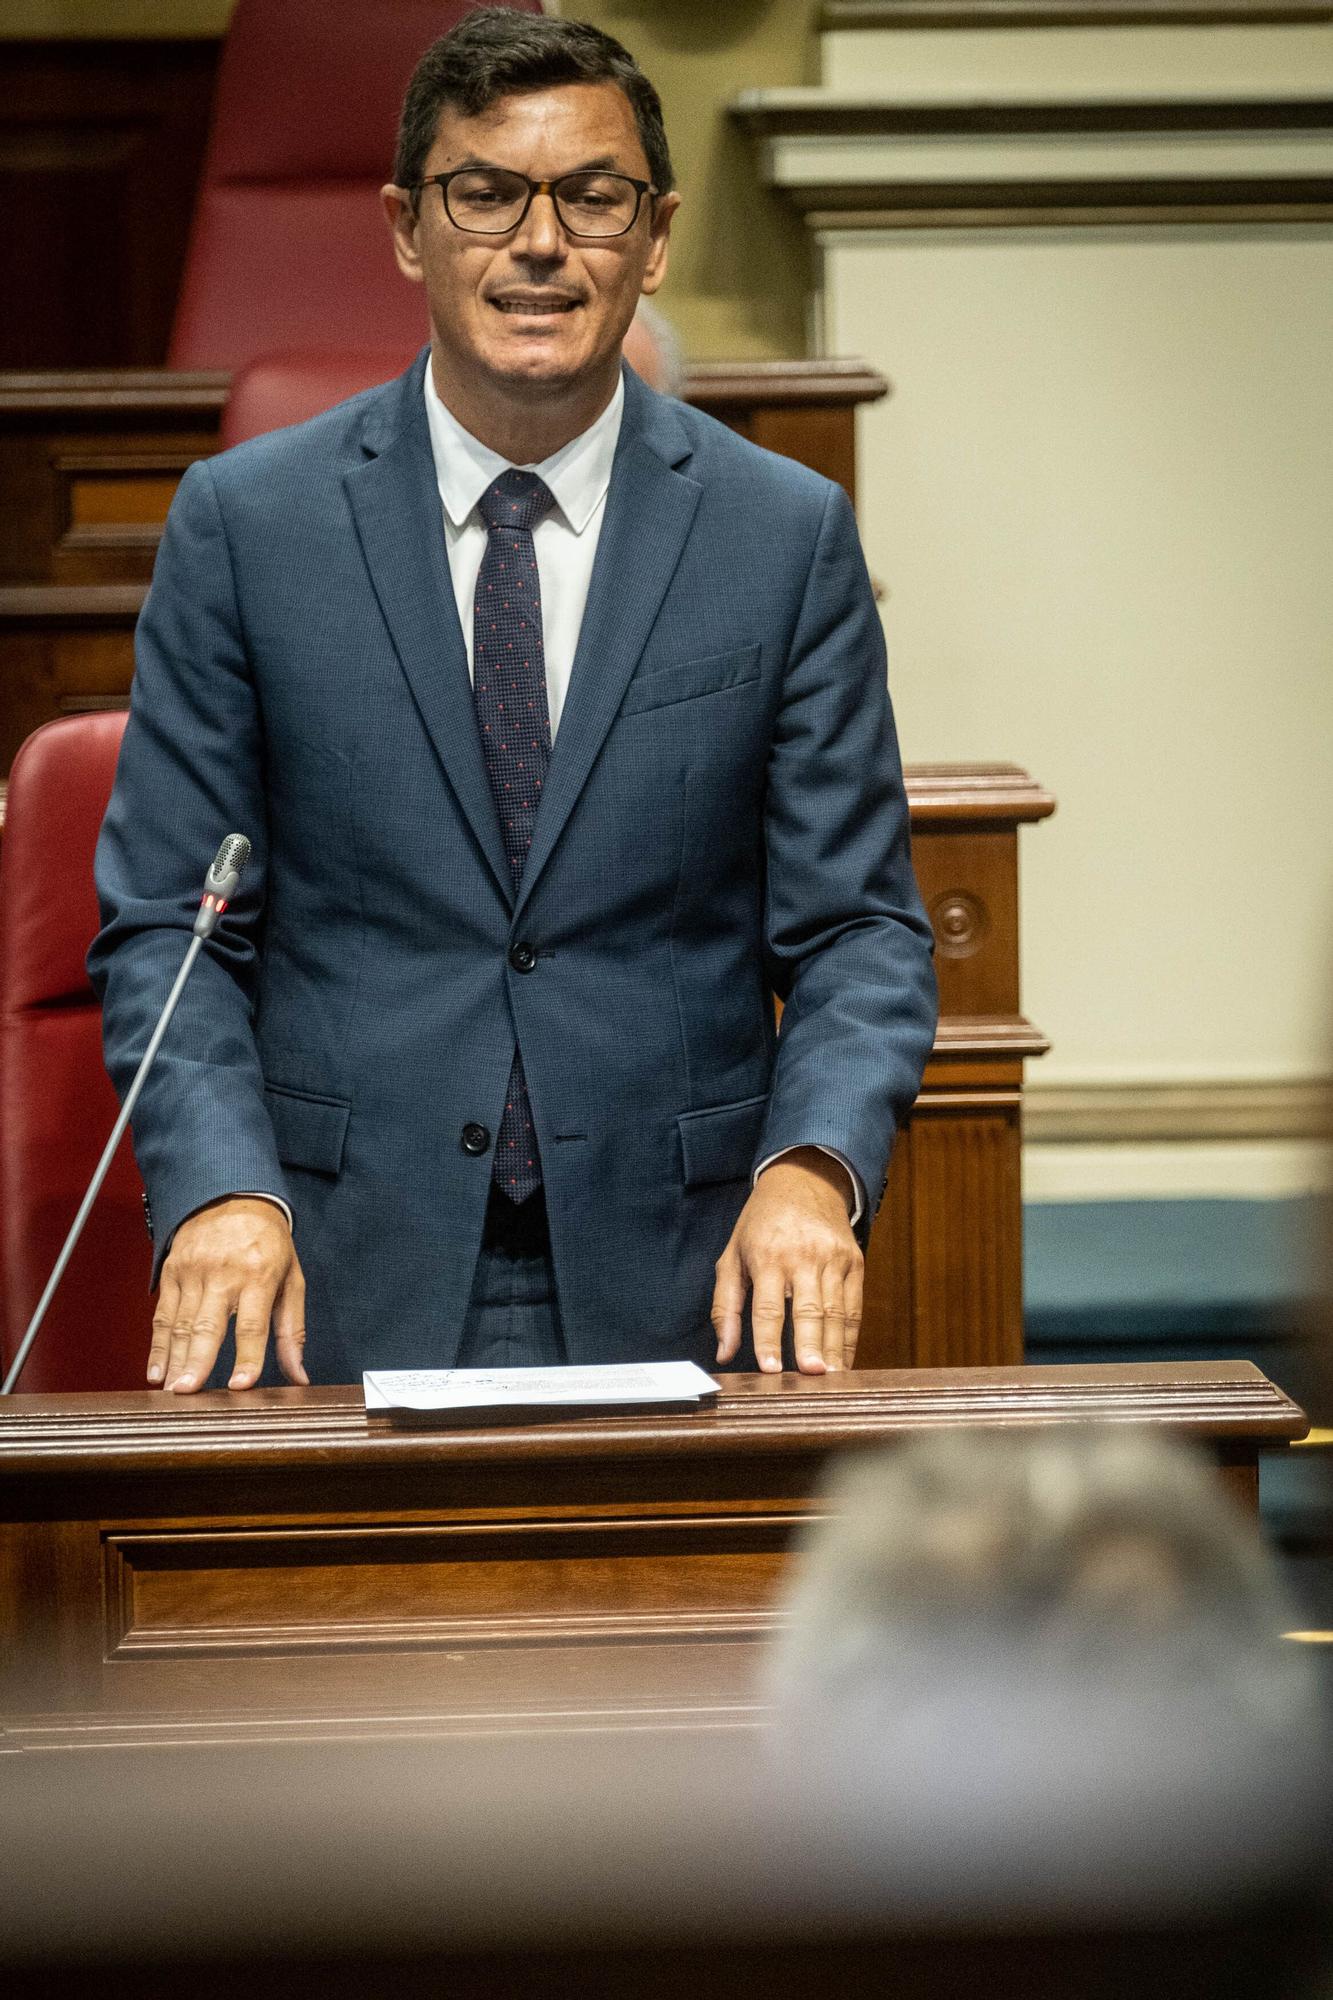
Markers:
point(94, 1185)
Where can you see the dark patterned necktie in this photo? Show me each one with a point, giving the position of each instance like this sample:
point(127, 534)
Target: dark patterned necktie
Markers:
point(509, 688)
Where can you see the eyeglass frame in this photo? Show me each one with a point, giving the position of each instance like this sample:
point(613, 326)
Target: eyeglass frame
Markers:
point(441, 181)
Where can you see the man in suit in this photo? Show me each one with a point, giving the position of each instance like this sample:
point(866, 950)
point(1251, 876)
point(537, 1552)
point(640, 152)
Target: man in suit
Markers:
point(557, 715)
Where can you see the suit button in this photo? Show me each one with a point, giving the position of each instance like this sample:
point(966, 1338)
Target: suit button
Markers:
point(522, 957)
point(474, 1139)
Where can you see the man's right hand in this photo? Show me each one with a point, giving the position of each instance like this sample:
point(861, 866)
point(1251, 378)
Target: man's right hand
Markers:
point(234, 1257)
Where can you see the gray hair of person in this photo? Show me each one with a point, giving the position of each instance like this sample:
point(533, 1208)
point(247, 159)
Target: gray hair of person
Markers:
point(496, 52)
point(1058, 1658)
point(1066, 1550)
point(667, 344)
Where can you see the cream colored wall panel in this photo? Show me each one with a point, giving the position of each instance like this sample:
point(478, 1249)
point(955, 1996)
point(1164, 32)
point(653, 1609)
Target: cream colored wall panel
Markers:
point(1100, 498)
point(1034, 65)
point(1175, 1172)
point(796, 162)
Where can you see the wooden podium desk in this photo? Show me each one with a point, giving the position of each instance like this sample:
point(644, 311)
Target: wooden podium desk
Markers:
point(277, 1562)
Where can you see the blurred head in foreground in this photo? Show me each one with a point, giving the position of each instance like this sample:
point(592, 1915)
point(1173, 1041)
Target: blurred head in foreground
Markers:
point(1063, 1650)
point(653, 350)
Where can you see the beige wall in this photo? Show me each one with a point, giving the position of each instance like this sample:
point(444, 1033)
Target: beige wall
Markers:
point(113, 17)
point(741, 277)
point(1101, 497)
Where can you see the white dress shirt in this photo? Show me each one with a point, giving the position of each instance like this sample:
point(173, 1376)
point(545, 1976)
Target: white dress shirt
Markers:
point(565, 540)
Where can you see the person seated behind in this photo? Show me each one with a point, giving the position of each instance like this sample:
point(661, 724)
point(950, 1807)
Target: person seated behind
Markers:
point(1060, 1654)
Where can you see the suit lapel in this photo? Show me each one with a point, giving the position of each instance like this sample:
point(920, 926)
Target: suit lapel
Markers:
point(396, 505)
point(649, 510)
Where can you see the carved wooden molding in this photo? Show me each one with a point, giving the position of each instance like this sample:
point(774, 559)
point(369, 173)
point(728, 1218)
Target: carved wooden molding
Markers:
point(1135, 1113)
point(431, 1589)
point(848, 163)
point(881, 15)
point(121, 393)
point(1168, 205)
point(777, 384)
point(112, 1436)
point(805, 113)
point(126, 394)
point(35, 1733)
point(974, 794)
point(62, 604)
point(987, 1035)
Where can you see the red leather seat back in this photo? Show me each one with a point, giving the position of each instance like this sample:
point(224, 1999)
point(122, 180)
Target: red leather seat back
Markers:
point(287, 388)
point(56, 1103)
point(289, 246)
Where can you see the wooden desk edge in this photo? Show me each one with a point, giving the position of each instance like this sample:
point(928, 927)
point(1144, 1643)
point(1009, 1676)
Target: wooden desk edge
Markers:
point(135, 1432)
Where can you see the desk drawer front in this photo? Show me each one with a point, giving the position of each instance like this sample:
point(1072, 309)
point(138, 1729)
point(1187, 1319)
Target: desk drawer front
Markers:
point(328, 1590)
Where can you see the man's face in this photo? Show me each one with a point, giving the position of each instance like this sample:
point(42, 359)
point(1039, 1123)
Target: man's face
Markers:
point(534, 309)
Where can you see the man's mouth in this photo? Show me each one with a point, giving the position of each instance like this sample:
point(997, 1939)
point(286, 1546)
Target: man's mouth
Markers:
point(534, 306)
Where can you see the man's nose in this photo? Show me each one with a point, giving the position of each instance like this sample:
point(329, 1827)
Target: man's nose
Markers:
point(539, 235)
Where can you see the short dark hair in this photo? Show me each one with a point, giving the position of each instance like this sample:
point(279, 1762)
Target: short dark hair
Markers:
point(495, 52)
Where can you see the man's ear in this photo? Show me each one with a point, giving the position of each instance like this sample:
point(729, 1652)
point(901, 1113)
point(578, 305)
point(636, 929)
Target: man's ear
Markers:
point(404, 221)
point(655, 270)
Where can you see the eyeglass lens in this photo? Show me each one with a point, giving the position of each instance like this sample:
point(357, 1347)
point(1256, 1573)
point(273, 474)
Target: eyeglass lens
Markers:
point(491, 200)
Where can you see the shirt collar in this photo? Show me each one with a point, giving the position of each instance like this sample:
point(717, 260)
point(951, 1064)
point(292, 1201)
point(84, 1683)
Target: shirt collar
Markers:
point(578, 474)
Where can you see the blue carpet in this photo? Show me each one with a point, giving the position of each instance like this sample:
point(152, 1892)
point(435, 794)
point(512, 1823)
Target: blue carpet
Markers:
point(1189, 1281)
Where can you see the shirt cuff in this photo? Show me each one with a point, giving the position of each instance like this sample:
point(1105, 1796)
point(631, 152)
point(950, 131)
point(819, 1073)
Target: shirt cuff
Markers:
point(244, 1194)
point(262, 1194)
point(856, 1193)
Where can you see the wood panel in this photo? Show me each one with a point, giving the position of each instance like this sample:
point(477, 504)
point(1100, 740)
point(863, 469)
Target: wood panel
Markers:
point(101, 144)
point(284, 1552)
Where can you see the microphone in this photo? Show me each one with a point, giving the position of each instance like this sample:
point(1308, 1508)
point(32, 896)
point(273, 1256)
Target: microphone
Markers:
point(220, 882)
point(219, 887)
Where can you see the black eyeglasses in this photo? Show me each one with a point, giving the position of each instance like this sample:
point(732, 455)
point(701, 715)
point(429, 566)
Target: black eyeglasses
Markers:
point(490, 201)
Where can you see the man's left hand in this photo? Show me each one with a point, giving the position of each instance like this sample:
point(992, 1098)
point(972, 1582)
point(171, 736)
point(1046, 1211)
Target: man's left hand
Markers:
point(793, 1240)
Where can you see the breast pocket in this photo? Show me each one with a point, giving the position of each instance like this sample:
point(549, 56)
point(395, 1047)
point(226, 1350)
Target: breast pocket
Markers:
point(690, 680)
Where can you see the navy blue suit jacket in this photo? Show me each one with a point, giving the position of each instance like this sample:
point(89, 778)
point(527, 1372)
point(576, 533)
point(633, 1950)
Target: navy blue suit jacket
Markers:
point(723, 819)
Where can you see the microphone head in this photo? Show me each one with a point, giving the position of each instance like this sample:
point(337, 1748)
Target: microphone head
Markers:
point(229, 860)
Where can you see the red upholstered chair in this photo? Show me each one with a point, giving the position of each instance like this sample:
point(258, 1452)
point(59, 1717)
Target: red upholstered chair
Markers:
point(56, 1103)
point(286, 388)
point(289, 246)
